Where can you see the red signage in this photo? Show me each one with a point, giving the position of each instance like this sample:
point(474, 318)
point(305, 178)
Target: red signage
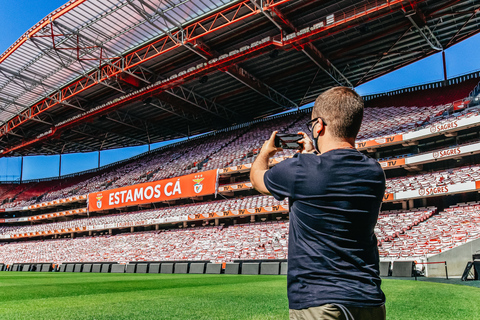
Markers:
point(446, 153)
point(388, 197)
point(444, 126)
point(379, 141)
point(192, 185)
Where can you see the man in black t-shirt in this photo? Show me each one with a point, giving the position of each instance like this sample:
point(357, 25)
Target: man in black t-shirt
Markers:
point(335, 193)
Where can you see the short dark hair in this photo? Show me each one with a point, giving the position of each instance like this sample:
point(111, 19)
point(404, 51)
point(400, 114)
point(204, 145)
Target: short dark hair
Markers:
point(342, 110)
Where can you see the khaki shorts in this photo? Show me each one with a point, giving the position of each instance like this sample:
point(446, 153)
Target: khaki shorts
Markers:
point(333, 312)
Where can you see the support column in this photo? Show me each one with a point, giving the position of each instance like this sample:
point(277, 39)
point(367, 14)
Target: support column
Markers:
point(424, 202)
point(110, 231)
point(72, 235)
point(444, 67)
point(217, 221)
point(132, 229)
point(252, 218)
point(404, 205)
point(21, 170)
point(157, 227)
point(184, 224)
point(410, 204)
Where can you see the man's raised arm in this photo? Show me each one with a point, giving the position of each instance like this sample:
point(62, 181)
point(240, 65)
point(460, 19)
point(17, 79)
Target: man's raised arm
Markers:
point(260, 166)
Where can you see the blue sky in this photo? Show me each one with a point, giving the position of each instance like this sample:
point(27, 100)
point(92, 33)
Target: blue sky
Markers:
point(19, 15)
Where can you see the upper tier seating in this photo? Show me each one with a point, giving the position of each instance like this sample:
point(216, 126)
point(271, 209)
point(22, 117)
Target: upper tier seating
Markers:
point(230, 148)
point(426, 97)
point(434, 179)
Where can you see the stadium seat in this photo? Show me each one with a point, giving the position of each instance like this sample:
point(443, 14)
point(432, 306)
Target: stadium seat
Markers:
point(166, 267)
point(105, 267)
point(403, 269)
point(130, 268)
point(283, 267)
point(154, 268)
point(47, 267)
point(270, 268)
point(232, 268)
point(181, 267)
point(250, 267)
point(118, 268)
point(385, 267)
point(97, 268)
point(213, 268)
point(142, 268)
point(197, 267)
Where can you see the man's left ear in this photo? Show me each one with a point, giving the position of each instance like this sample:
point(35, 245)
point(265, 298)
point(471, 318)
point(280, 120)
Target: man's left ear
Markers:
point(320, 126)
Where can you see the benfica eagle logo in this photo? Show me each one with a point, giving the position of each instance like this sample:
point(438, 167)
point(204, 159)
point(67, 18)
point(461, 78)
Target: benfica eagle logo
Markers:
point(99, 201)
point(198, 186)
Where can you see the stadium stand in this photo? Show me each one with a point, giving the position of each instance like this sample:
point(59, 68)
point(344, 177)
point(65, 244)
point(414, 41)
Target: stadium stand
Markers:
point(450, 228)
point(403, 234)
point(434, 179)
point(141, 217)
point(235, 147)
point(425, 95)
point(219, 244)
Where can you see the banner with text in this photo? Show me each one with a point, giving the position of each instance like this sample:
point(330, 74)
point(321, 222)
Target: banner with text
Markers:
point(192, 185)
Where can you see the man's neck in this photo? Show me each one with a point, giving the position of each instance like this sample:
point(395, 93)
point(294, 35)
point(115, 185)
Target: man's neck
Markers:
point(336, 143)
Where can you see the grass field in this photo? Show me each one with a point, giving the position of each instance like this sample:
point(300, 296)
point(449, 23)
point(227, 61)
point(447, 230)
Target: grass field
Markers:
point(174, 296)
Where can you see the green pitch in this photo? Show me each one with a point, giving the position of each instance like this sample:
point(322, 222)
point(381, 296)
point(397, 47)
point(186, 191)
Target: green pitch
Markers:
point(162, 296)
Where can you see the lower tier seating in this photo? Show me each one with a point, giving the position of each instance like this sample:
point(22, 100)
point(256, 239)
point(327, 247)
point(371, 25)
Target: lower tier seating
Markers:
point(441, 232)
point(401, 234)
point(219, 244)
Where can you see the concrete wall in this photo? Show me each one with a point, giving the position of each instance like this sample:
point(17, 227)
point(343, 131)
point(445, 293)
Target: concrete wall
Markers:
point(456, 258)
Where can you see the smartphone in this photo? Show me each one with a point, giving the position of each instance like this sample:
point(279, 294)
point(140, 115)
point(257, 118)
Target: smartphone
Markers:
point(288, 141)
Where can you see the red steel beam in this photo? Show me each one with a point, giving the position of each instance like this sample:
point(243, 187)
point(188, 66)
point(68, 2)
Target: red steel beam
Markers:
point(253, 52)
point(39, 26)
point(215, 22)
point(305, 38)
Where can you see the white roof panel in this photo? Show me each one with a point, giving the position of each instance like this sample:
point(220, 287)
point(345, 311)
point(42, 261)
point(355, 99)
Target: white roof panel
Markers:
point(42, 65)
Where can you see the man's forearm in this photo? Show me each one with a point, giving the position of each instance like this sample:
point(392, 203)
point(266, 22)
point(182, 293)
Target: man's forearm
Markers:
point(257, 172)
point(261, 162)
point(260, 165)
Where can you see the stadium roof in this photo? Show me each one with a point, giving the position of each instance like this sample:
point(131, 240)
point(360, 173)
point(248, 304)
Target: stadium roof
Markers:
point(97, 75)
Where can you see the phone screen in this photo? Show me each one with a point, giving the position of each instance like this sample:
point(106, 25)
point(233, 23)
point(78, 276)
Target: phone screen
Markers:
point(287, 140)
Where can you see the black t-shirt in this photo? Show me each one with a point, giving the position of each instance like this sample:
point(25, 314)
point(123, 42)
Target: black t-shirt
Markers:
point(334, 201)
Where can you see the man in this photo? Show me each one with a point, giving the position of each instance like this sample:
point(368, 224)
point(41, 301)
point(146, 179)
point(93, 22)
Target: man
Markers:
point(335, 193)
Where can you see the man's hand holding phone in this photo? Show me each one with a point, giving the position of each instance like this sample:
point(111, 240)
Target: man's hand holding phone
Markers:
point(269, 149)
point(306, 144)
